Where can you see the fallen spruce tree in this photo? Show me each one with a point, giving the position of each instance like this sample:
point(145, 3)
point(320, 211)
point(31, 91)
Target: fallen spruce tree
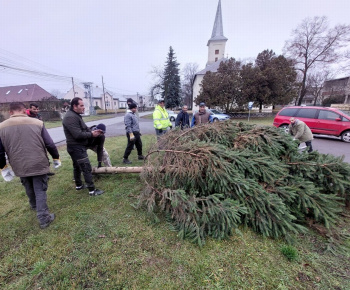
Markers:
point(210, 179)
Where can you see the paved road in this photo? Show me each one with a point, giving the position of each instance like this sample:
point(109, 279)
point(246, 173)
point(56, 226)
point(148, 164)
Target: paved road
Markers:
point(115, 127)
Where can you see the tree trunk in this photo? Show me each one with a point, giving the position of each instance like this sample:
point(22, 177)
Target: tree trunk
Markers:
point(113, 170)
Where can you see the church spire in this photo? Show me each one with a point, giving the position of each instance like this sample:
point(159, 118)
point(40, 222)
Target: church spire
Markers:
point(218, 31)
point(216, 44)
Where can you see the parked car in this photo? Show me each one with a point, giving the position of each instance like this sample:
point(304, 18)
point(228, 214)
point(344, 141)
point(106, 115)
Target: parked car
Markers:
point(321, 120)
point(172, 116)
point(218, 116)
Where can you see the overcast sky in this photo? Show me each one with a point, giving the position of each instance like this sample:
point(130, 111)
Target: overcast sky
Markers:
point(123, 40)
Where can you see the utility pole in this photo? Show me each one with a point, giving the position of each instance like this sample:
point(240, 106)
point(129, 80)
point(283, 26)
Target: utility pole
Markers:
point(73, 87)
point(104, 95)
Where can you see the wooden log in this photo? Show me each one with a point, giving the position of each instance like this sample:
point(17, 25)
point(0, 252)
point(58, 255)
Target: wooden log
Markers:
point(114, 170)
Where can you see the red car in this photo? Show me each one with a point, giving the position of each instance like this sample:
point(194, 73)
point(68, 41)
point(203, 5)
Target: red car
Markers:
point(321, 120)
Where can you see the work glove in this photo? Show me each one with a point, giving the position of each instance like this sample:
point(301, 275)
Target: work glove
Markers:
point(7, 173)
point(170, 127)
point(132, 137)
point(56, 163)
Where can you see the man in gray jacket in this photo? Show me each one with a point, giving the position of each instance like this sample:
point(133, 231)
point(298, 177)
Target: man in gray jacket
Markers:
point(133, 134)
point(301, 132)
point(26, 142)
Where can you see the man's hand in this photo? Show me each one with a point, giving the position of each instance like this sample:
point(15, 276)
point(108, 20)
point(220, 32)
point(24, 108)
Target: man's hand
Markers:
point(160, 131)
point(96, 132)
point(170, 127)
point(7, 173)
point(132, 137)
point(56, 163)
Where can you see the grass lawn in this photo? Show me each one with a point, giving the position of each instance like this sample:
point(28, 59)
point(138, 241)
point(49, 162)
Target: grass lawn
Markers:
point(104, 243)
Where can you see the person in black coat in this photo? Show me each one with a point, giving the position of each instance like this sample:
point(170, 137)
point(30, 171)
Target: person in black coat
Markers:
point(183, 119)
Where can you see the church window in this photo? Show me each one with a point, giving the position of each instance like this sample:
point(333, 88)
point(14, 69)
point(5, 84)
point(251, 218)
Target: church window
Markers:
point(216, 51)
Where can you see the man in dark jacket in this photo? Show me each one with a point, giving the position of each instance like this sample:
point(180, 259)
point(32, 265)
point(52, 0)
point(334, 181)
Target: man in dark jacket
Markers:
point(79, 138)
point(133, 134)
point(25, 141)
point(183, 119)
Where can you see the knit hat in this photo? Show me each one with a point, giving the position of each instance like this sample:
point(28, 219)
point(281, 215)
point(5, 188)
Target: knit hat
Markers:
point(101, 127)
point(202, 104)
point(161, 101)
point(130, 100)
point(133, 105)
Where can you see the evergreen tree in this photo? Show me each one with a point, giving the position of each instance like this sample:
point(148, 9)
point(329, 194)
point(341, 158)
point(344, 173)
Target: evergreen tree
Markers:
point(171, 86)
point(222, 88)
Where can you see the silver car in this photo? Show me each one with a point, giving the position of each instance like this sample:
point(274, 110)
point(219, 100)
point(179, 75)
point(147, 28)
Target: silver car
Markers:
point(217, 115)
point(172, 115)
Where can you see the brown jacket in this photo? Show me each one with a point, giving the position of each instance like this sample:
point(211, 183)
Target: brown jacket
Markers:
point(25, 141)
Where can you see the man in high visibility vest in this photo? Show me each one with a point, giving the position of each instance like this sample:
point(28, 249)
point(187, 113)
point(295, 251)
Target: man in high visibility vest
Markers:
point(161, 119)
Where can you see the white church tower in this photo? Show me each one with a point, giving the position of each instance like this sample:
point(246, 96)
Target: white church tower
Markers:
point(216, 44)
point(216, 51)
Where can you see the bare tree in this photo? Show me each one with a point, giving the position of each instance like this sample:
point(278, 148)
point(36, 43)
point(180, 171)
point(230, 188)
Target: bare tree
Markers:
point(314, 44)
point(156, 89)
point(188, 72)
point(315, 82)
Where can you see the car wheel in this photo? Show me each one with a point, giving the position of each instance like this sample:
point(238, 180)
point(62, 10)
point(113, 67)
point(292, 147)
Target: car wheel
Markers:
point(345, 136)
point(215, 120)
point(285, 127)
point(172, 119)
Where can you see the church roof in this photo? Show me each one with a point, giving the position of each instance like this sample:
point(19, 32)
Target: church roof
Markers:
point(218, 31)
point(212, 67)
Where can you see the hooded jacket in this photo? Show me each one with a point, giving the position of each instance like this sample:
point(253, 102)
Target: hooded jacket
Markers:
point(161, 118)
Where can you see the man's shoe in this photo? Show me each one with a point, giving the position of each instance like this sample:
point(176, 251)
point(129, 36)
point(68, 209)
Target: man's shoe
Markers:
point(80, 187)
point(126, 161)
point(141, 157)
point(45, 225)
point(51, 173)
point(96, 192)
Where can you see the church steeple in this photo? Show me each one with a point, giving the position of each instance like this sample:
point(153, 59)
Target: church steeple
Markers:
point(216, 44)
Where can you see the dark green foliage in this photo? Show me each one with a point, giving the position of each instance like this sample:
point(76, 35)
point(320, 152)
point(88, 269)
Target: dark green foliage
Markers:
point(333, 100)
point(209, 179)
point(289, 252)
point(171, 81)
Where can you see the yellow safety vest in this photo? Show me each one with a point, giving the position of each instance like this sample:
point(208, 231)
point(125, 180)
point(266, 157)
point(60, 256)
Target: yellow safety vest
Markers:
point(161, 118)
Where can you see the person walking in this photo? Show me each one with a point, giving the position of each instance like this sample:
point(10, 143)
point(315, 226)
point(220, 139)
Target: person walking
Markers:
point(133, 134)
point(26, 142)
point(202, 116)
point(79, 138)
point(161, 119)
point(300, 131)
point(183, 119)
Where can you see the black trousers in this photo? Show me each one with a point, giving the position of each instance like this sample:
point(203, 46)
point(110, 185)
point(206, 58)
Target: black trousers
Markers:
point(137, 142)
point(308, 144)
point(81, 164)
